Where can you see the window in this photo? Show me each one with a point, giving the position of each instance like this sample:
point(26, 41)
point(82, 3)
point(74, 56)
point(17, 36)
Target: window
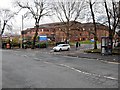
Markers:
point(42, 30)
point(65, 45)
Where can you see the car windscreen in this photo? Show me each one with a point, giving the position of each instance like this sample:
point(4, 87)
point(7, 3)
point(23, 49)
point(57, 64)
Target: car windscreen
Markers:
point(59, 45)
point(65, 45)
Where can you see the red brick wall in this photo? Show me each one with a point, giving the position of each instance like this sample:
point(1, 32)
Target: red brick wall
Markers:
point(74, 34)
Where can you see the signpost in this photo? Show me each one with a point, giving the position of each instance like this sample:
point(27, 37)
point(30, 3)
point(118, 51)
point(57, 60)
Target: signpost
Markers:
point(43, 38)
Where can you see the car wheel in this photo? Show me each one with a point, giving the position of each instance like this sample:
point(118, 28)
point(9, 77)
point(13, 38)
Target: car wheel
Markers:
point(68, 49)
point(60, 49)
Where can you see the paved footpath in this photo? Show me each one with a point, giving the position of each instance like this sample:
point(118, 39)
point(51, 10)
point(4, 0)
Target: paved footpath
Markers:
point(98, 56)
point(111, 58)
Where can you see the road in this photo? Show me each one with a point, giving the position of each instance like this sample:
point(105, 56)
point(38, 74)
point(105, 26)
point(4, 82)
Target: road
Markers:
point(40, 69)
point(0, 69)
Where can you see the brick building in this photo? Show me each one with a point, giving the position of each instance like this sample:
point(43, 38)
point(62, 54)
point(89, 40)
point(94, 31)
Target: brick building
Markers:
point(77, 31)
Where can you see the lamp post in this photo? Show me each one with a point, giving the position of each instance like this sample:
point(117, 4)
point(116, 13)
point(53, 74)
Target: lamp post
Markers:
point(0, 26)
point(119, 19)
point(22, 34)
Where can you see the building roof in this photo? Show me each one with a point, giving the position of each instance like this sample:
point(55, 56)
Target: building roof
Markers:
point(75, 24)
point(56, 24)
point(91, 25)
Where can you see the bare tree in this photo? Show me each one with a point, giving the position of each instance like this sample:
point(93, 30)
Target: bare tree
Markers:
point(67, 11)
point(118, 33)
point(94, 22)
point(112, 17)
point(38, 9)
point(5, 16)
point(119, 19)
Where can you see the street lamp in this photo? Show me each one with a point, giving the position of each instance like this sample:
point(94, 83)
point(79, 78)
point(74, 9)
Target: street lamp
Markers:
point(0, 27)
point(22, 33)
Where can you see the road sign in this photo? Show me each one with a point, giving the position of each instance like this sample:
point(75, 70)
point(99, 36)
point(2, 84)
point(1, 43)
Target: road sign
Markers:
point(92, 40)
point(42, 38)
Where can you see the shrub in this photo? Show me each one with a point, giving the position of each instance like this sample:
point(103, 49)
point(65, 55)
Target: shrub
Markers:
point(43, 45)
point(37, 45)
point(15, 44)
point(51, 43)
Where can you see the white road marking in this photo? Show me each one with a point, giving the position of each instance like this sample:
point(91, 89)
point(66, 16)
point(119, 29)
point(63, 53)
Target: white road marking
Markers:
point(86, 73)
point(37, 59)
point(110, 78)
point(70, 57)
point(47, 62)
point(16, 54)
point(24, 55)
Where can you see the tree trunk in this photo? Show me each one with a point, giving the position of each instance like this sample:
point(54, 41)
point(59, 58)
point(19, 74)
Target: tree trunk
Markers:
point(67, 34)
point(95, 42)
point(95, 33)
point(3, 28)
point(35, 36)
point(110, 30)
point(2, 33)
point(0, 41)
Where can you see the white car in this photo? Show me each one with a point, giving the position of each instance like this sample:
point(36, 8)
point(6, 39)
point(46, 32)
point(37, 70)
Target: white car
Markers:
point(61, 47)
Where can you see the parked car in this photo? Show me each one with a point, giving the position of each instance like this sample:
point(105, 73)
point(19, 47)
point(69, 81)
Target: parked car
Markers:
point(61, 47)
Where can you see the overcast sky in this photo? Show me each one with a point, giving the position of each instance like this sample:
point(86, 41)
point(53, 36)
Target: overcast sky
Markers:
point(17, 22)
point(28, 23)
point(18, 19)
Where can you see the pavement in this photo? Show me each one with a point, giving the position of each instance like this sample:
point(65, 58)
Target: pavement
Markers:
point(111, 58)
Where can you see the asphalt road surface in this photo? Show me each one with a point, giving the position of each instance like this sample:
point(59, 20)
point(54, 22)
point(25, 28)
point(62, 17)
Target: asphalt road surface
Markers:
point(39, 69)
